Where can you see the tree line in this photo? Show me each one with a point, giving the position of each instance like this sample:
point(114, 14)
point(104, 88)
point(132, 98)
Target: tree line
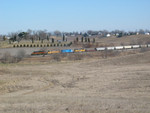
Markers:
point(45, 35)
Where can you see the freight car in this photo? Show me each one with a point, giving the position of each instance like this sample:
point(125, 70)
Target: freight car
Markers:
point(100, 49)
point(110, 48)
point(143, 46)
point(135, 46)
point(119, 47)
point(127, 47)
point(90, 49)
point(53, 52)
point(79, 50)
point(67, 51)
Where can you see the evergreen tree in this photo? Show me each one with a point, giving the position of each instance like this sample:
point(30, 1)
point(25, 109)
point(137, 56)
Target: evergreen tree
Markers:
point(52, 40)
point(32, 40)
point(85, 39)
point(63, 37)
point(42, 41)
point(120, 35)
point(4, 38)
point(82, 39)
point(89, 40)
point(93, 40)
point(15, 38)
point(77, 39)
point(85, 35)
point(47, 38)
point(9, 41)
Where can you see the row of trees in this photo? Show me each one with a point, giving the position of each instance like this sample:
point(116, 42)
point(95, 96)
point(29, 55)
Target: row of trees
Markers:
point(84, 39)
point(44, 34)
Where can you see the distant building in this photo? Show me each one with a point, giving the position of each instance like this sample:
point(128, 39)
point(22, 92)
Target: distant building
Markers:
point(59, 41)
point(72, 35)
point(108, 35)
point(99, 33)
point(7, 38)
point(117, 34)
point(147, 33)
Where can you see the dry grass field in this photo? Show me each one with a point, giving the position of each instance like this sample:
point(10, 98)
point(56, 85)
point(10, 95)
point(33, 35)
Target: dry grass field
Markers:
point(125, 40)
point(113, 85)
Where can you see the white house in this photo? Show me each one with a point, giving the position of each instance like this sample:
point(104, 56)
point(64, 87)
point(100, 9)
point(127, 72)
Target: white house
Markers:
point(99, 33)
point(117, 34)
point(108, 35)
point(8, 38)
point(146, 33)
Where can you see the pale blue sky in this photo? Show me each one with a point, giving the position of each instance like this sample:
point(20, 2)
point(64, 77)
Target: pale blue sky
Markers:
point(73, 15)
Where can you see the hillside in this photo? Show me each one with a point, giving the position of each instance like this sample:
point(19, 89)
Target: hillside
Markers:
point(125, 40)
point(118, 84)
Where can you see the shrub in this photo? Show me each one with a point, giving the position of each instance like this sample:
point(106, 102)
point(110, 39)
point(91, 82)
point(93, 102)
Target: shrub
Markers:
point(148, 41)
point(75, 57)
point(56, 57)
point(144, 50)
point(87, 45)
point(78, 57)
point(20, 55)
point(133, 42)
point(7, 58)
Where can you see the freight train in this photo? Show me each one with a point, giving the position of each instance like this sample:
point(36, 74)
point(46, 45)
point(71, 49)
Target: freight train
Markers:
point(90, 49)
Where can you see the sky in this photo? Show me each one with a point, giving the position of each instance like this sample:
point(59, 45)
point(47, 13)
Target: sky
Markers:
point(73, 15)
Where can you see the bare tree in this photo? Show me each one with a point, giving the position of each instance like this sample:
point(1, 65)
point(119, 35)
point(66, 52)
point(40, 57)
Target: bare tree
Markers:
point(141, 31)
point(48, 36)
point(57, 33)
point(30, 33)
point(32, 39)
point(56, 57)
point(105, 32)
point(42, 34)
point(13, 36)
point(90, 32)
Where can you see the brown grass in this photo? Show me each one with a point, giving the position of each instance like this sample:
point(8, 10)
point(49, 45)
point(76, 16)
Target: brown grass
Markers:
point(126, 40)
point(116, 84)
